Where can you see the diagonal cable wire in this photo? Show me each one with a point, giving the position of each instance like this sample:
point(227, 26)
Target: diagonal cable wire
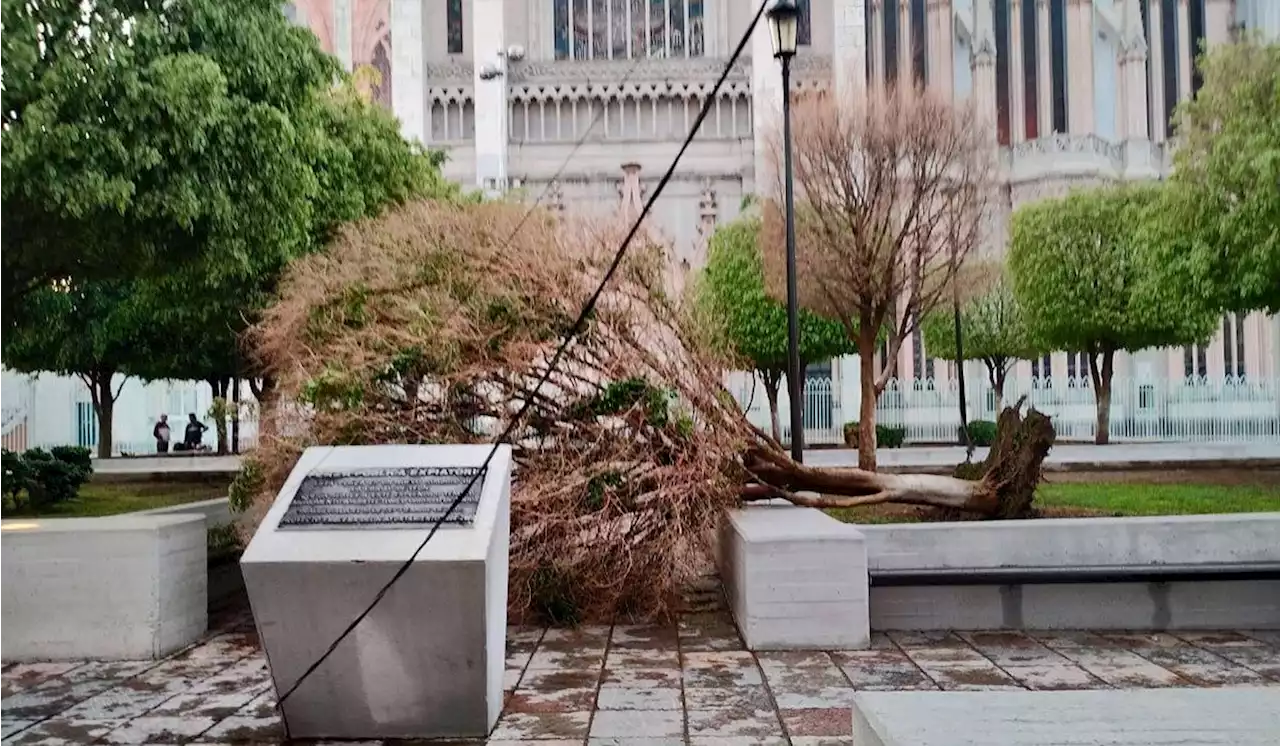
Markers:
point(573, 332)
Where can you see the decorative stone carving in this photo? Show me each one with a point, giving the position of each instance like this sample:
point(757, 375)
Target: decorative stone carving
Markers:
point(550, 92)
point(593, 71)
point(450, 72)
point(630, 191)
point(1061, 143)
point(983, 52)
point(450, 95)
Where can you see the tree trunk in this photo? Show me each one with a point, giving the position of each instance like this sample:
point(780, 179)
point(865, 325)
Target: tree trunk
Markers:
point(997, 371)
point(867, 395)
point(771, 381)
point(264, 390)
point(1006, 490)
point(235, 414)
point(1102, 392)
point(105, 407)
point(219, 386)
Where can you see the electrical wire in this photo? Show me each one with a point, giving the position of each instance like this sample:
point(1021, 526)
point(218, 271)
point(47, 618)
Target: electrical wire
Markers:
point(578, 323)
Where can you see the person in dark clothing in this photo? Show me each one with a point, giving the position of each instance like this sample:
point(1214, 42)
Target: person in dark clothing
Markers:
point(195, 433)
point(161, 434)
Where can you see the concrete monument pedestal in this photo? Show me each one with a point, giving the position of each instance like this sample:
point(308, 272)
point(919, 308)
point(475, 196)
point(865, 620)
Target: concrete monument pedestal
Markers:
point(427, 662)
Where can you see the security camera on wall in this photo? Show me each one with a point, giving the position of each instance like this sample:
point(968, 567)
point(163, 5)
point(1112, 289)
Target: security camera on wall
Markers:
point(490, 71)
point(515, 53)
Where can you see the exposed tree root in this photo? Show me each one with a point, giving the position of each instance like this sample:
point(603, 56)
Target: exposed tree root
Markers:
point(1006, 489)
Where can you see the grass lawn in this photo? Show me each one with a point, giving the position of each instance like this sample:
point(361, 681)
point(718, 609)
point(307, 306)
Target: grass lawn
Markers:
point(110, 498)
point(1061, 500)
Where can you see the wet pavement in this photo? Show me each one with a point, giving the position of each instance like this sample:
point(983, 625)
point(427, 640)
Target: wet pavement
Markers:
point(691, 682)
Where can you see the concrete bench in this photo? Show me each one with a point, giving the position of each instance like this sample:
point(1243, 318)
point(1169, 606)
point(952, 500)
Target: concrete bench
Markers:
point(115, 588)
point(217, 512)
point(1166, 572)
point(795, 578)
point(1161, 717)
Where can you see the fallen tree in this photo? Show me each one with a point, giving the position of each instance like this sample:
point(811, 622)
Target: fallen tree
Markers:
point(426, 326)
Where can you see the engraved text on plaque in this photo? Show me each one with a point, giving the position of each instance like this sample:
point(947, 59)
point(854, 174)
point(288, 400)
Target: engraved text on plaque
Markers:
point(394, 497)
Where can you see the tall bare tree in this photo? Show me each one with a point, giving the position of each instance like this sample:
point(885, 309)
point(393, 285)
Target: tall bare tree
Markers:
point(891, 195)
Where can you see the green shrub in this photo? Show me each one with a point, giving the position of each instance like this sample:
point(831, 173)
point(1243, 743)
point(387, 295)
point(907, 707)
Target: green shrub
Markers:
point(887, 436)
point(15, 475)
point(851, 434)
point(983, 432)
point(49, 478)
point(248, 482)
point(78, 456)
point(890, 437)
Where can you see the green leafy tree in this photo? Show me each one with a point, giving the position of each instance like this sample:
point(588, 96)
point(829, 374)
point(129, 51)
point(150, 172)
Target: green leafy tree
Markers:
point(1079, 274)
point(992, 325)
point(86, 331)
point(362, 165)
point(754, 324)
point(187, 151)
point(139, 137)
point(1216, 241)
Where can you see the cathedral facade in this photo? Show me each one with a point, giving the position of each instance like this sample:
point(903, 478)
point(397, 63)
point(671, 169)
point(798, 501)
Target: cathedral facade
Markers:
point(585, 101)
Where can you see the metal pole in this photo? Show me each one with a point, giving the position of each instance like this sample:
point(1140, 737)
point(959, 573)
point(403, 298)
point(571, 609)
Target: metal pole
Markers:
point(795, 381)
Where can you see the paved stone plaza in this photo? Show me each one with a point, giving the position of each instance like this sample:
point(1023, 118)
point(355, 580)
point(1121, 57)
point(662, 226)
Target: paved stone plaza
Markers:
point(687, 683)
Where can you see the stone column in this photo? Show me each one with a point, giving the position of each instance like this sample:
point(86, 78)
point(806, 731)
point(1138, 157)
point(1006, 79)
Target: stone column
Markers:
point(849, 57)
point(1218, 17)
point(940, 59)
point(1017, 95)
point(1079, 29)
point(982, 60)
point(1044, 69)
point(1132, 85)
point(766, 108)
point(408, 79)
point(488, 45)
point(906, 75)
point(1158, 122)
point(1186, 55)
point(342, 33)
point(877, 42)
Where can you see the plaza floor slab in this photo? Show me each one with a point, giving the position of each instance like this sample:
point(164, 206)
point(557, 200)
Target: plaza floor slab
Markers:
point(690, 682)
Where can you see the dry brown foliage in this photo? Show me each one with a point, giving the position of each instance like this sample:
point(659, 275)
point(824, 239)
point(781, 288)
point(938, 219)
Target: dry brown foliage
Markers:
point(425, 326)
point(891, 195)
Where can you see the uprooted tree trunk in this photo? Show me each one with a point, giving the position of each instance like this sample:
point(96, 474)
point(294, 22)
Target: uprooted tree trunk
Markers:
point(627, 456)
point(1006, 490)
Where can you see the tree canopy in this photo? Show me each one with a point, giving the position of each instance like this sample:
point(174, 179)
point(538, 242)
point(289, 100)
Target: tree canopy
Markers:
point(87, 330)
point(172, 159)
point(893, 198)
point(755, 324)
point(993, 327)
point(140, 136)
point(1080, 275)
point(1217, 241)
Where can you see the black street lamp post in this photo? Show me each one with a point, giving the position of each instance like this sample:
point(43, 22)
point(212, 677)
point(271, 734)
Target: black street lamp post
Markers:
point(784, 18)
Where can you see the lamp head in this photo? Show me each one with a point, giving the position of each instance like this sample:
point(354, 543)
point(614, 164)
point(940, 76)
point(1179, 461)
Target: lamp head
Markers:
point(784, 23)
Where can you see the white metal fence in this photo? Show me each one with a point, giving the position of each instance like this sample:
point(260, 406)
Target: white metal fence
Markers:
point(1195, 410)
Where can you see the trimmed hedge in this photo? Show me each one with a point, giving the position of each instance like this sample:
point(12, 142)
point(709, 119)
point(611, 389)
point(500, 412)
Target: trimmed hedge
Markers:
point(983, 433)
point(36, 479)
point(886, 436)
